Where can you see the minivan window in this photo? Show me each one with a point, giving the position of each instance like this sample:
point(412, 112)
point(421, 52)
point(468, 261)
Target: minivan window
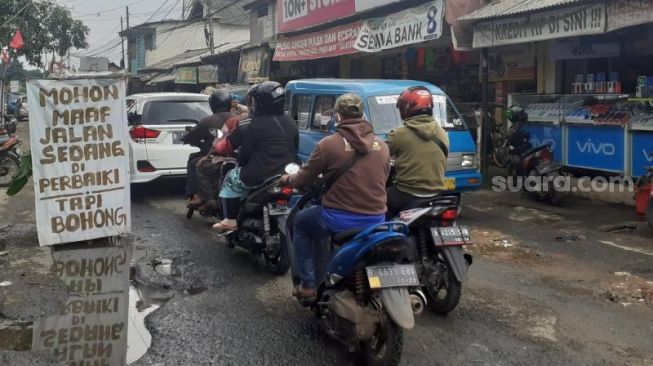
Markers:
point(301, 110)
point(323, 112)
point(174, 111)
point(385, 115)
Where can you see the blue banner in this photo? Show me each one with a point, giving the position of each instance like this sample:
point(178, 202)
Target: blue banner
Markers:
point(596, 147)
point(545, 134)
point(642, 152)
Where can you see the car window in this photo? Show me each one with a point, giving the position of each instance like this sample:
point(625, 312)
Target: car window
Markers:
point(323, 112)
point(385, 115)
point(301, 109)
point(174, 111)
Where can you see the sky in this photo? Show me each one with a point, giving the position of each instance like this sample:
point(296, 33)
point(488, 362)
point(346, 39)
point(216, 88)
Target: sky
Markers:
point(103, 19)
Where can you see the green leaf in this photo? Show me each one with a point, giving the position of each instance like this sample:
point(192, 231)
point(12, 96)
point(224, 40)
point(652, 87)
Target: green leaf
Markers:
point(22, 176)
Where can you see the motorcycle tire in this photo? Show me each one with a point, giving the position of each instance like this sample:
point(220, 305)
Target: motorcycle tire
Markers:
point(444, 305)
point(500, 156)
point(278, 266)
point(7, 163)
point(385, 348)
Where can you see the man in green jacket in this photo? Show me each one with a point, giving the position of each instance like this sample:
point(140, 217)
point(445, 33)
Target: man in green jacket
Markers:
point(420, 149)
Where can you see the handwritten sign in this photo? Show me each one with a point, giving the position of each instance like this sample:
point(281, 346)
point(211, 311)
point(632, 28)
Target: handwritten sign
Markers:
point(90, 327)
point(78, 133)
point(566, 22)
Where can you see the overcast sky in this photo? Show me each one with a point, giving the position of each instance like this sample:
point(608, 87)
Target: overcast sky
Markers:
point(103, 19)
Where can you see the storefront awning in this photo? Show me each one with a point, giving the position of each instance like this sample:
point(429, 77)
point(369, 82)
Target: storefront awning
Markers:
point(519, 21)
point(162, 78)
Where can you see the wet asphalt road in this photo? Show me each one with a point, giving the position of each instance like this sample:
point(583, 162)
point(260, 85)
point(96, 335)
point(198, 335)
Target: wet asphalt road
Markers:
point(530, 300)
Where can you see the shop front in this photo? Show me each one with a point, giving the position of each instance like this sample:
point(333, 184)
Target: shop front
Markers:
point(599, 114)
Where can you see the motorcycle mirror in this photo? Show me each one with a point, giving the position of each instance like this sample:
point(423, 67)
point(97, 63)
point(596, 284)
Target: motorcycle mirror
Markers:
point(292, 168)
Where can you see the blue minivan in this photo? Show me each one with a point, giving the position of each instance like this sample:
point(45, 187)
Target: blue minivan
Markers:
point(310, 102)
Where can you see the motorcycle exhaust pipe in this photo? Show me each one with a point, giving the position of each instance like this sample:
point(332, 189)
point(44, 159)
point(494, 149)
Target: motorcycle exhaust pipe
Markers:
point(417, 301)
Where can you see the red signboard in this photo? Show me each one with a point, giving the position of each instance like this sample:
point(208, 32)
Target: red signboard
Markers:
point(297, 14)
point(293, 15)
point(328, 43)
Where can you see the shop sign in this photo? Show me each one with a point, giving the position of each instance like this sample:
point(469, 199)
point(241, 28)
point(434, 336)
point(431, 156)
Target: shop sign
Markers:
point(512, 63)
point(297, 14)
point(642, 152)
point(80, 159)
point(207, 74)
point(254, 65)
point(566, 22)
point(626, 13)
point(574, 49)
point(596, 147)
point(186, 75)
point(414, 25)
point(90, 326)
point(541, 134)
point(329, 43)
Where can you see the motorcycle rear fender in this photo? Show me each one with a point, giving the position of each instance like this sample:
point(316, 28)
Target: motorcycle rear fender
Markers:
point(396, 302)
point(352, 252)
point(457, 261)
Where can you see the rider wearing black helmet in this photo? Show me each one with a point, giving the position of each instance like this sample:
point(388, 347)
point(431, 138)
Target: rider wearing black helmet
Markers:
point(202, 136)
point(267, 143)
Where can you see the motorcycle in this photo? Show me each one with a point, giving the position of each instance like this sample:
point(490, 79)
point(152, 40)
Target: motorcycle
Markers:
point(436, 248)
point(259, 225)
point(368, 292)
point(536, 168)
point(9, 154)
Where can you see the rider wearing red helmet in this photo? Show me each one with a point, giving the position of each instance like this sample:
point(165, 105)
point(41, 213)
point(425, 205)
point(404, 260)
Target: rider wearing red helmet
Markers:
point(419, 148)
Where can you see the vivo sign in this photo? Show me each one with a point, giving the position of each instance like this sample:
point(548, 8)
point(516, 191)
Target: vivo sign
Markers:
point(536, 142)
point(298, 14)
point(591, 147)
point(648, 155)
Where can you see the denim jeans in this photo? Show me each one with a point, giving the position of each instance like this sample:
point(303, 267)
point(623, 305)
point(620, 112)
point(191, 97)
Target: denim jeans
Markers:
point(309, 233)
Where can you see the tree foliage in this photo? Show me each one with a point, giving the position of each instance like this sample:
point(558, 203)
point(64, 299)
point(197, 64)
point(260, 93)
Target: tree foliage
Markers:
point(46, 26)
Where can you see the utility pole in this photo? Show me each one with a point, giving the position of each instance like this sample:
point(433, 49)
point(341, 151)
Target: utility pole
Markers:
point(210, 16)
point(127, 62)
point(122, 44)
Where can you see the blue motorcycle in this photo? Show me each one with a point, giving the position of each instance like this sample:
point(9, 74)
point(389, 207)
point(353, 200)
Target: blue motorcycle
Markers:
point(368, 291)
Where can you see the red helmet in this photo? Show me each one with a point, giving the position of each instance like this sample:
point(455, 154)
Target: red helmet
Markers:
point(414, 101)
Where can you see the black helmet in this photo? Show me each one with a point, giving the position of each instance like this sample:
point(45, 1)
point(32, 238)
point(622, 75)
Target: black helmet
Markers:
point(267, 97)
point(516, 114)
point(220, 101)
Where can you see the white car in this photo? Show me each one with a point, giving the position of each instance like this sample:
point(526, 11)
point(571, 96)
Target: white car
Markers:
point(157, 123)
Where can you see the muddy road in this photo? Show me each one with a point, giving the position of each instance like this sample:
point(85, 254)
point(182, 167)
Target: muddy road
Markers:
point(542, 290)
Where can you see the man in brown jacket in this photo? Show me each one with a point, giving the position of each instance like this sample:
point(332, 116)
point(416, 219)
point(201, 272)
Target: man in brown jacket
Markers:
point(355, 165)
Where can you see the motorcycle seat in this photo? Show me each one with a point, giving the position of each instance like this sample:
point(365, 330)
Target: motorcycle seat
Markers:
point(344, 236)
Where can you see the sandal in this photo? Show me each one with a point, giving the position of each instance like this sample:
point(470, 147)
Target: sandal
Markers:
point(223, 228)
point(305, 294)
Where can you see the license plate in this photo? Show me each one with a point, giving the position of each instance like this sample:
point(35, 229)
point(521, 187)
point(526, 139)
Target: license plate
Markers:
point(176, 137)
point(450, 184)
point(277, 209)
point(451, 236)
point(399, 275)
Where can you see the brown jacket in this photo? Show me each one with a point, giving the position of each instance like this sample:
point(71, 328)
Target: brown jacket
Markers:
point(361, 189)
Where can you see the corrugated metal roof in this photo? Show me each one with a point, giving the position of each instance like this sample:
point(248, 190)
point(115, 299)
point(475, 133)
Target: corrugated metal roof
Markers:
point(502, 8)
point(162, 78)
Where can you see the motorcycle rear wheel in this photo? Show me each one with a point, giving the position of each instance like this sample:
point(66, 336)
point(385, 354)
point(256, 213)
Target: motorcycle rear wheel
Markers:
point(386, 346)
point(446, 296)
point(9, 164)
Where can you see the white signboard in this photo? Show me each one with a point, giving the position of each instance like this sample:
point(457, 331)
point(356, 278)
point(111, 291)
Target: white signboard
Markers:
point(566, 22)
point(414, 25)
point(78, 135)
point(90, 327)
point(626, 13)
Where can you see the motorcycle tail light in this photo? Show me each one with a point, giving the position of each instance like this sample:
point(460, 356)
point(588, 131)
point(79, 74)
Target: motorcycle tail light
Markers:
point(450, 214)
point(287, 191)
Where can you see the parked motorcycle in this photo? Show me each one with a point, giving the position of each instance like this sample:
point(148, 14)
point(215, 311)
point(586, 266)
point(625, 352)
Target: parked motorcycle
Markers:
point(368, 292)
point(9, 154)
point(260, 225)
point(436, 248)
point(534, 166)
